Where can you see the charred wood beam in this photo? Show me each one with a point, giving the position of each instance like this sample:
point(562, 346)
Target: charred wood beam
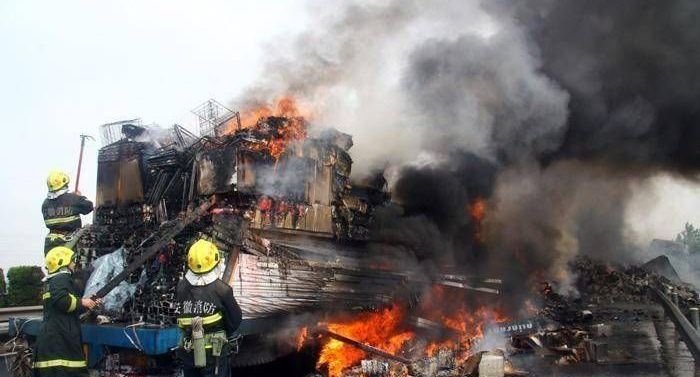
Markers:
point(469, 287)
point(472, 279)
point(365, 347)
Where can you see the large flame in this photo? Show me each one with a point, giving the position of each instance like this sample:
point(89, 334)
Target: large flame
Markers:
point(469, 327)
point(293, 130)
point(386, 330)
point(468, 324)
point(289, 127)
point(383, 329)
point(284, 106)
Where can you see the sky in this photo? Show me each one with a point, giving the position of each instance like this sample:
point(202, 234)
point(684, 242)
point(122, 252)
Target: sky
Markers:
point(68, 66)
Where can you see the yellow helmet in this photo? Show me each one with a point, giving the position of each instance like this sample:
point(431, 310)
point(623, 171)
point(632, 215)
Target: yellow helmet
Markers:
point(58, 257)
point(57, 180)
point(202, 257)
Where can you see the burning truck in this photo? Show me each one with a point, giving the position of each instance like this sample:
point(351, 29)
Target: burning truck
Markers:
point(296, 236)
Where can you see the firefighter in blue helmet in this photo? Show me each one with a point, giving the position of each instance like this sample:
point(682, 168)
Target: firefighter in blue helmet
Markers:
point(58, 350)
point(61, 210)
point(209, 315)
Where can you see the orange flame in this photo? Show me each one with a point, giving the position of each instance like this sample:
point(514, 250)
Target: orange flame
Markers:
point(385, 330)
point(477, 212)
point(382, 329)
point(441, 306)
point(478, 209)
point(469, 326)
point(301, 338)
point(284, 106)
point(293, 129)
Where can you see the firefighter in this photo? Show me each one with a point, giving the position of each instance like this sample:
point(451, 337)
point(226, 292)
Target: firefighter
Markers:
point(62, 210)
point(208, 314)
point(58, 350)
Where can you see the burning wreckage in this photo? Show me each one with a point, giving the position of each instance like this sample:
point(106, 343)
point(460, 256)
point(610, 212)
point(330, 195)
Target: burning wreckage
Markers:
point(305, 266)
point(294, 231)
point(279, 199)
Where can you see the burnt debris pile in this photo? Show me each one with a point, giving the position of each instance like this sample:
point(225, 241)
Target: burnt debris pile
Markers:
point(600, 284)
point(284, 208)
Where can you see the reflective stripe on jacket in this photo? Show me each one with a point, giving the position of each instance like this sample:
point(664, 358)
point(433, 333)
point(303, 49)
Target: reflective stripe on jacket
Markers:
point(208, 320)
point(62, 214)
point(61, 363)
point(213, 302)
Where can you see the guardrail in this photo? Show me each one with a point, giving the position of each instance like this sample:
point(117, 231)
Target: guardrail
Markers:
point(687, 331)
point(17, 312)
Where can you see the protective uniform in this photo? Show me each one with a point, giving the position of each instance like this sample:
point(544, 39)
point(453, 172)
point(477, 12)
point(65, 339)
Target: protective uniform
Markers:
point(62, 210)
point(58, 351)
point(205, 299)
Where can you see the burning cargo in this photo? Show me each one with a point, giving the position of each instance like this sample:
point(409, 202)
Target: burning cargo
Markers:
point(295, 235)
point(284, 208)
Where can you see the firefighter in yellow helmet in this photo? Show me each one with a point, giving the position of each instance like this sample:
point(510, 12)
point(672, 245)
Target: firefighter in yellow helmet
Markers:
point(58, 350)
point(62, 210)
point(209, 315)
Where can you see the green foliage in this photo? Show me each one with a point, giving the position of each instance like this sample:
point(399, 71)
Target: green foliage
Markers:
point(690, 236)
point(24, 286)
point(3, 289)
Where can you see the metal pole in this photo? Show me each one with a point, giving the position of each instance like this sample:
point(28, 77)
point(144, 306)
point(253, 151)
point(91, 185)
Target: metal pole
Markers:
point(80, 160)
point(695, 318)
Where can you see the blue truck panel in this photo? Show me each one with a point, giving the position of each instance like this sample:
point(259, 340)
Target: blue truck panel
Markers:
point(149, 340)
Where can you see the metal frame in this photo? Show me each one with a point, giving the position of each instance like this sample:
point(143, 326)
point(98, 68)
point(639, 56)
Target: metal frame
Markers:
point(212, 116)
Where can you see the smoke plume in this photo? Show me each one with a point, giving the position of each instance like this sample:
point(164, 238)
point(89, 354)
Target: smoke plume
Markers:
point(631, 70)
point(550, 110)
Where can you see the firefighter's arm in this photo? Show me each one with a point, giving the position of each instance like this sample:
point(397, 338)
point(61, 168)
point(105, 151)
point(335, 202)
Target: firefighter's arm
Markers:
point(232, 312)
point(84, 206)
point(62, 299)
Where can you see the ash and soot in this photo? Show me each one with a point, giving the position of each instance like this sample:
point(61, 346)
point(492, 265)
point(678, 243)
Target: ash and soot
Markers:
point(512, 135)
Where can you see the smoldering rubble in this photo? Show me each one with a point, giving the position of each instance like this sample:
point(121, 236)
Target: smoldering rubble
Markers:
point(614, 305)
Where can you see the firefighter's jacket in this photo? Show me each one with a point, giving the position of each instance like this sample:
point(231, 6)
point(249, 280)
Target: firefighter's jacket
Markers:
point(213, 302)
point(62, 214)
point(58, 349)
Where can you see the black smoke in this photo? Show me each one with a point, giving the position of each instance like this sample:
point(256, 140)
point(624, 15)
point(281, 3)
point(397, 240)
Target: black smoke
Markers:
point(629, 73)
point(434, 221)
point(631, 69)
point(554, 111)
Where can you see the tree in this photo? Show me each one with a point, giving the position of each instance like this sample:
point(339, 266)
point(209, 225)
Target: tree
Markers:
point(24, 286)
point(3, 289)
point(690, 236)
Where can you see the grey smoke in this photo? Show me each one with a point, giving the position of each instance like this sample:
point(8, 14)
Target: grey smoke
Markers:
point(553, 109)
point(420, 77)
point(486, 96)
point(544, 217)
